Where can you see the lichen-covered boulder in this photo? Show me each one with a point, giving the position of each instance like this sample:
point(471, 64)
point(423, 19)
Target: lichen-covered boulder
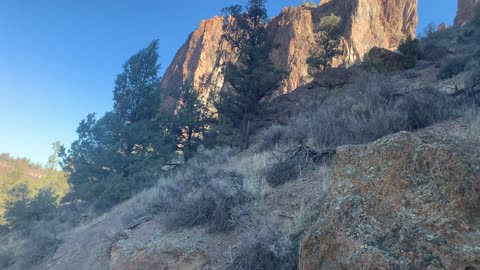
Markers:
point(399, 203)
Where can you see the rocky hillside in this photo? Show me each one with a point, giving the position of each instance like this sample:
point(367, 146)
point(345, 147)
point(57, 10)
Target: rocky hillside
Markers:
point(200, 59)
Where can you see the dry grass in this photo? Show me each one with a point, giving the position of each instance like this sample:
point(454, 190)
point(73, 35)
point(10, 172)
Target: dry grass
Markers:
point(217, 204)
point(250, 166)
point(23, 249)
point(472, 117)
point(366, 112)
point(270, 247)
point(11, 245)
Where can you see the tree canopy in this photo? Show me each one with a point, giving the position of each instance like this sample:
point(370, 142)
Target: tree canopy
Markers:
point(254, 77)
point(122, 152)
point(328, 40)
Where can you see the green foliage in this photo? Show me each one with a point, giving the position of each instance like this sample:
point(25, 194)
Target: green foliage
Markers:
point(328, 39)
point(191, 121)
point(310, 3)
point(24, 212)
point(137, 92)
point(411, 48)
point(225, 132)
point(53, 159)
point(18, 214)
point(428, 31)
point(122, 152)
point(43, 205)
point(24, 162)
point(248, 83)
point(21, 173)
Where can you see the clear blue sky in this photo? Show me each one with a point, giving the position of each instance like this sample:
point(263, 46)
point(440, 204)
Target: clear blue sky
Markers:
point(59, 58)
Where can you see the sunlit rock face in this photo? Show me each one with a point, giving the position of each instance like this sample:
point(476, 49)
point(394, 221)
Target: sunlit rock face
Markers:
point(366, 24)
point(199, 60)
point(466, 9)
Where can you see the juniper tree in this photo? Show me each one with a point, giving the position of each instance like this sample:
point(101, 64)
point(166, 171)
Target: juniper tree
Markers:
point(53, 159)
point(122, 152)
point(192, 119)
point(253, 77)
point(411, 48)
point(328, 40)
point(23, 211)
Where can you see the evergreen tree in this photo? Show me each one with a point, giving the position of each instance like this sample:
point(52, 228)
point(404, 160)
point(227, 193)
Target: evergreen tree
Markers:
point(122, 152)
point(43, 206)
point(254, 77)
point(23, 212)
point(17, 213)
point(328, 39)
point(137, 93)
point(411, 48)
point(53, 159)
point(192, 119)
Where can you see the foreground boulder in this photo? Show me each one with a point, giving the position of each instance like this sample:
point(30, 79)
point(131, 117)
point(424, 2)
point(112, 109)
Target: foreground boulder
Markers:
point(385, 60)
point(399, 203)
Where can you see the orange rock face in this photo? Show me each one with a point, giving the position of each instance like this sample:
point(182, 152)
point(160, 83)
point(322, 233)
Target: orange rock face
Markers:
point(367, 24)
point(199, 60)
point(466, 9)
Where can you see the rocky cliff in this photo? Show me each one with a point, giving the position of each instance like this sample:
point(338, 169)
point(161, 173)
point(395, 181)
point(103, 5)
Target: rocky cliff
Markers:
point(367, 24)
point(466, 9)
point(199, 59)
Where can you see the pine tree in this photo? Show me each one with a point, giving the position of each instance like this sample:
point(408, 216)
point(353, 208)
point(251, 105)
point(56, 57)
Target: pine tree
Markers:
point(23, 211)
point(254, 77)
point(328, 39)
point(122, 152)
point(192, 119)
point(53, 159)
point(137, 92)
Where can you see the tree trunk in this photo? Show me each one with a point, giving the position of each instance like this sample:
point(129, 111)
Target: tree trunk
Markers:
point(245, 132)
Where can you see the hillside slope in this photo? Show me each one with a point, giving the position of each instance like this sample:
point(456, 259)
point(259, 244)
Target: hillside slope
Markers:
point(130, 238)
